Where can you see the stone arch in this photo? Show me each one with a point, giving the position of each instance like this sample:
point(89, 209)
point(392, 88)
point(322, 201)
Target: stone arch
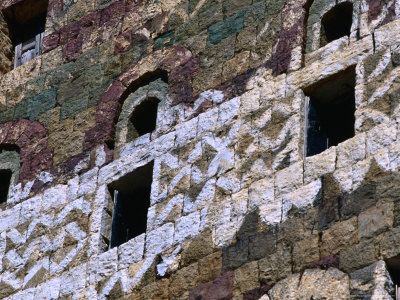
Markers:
point(139, 110)
point(176, 63)
point(318, 9)
point(31, 138)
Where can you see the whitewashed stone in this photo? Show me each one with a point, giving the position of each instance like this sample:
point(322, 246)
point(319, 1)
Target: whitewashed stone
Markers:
point(103, 265)
point(169, 262)
point(249, 102)
point(164, 144)
point(159, 239)
point(187, 226)
point(3, 246)
point(54, 197)
point(100, 156)
point(131, 251)
point(302, 198)
point(289, 179)
point(87, 182)
point(261, 192)
point(9, 218)
point(320, 164)
point(380, 137)
point(207, 121)
point(73, 188)
point(73, 280)
point(351, 151)
point(186, 132)
point(30, 208)
point(227, 111)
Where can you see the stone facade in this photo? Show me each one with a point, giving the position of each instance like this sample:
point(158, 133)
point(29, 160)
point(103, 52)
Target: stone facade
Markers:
point(236, 210)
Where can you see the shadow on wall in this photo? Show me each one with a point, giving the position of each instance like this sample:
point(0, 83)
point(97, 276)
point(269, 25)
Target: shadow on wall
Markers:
point(301, 242)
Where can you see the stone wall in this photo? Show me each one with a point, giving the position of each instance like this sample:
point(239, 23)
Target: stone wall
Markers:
point(236, 211)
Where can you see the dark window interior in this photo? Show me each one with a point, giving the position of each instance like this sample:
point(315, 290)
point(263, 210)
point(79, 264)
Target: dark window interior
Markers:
point(5, 180)
point(330, 114)
point(131, 196)
point(144, 117)
point(26, 21)
point(393, 266)
point(336, 23)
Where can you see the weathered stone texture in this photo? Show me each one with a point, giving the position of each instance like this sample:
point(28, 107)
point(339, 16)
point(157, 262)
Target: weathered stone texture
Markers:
point(236, 210)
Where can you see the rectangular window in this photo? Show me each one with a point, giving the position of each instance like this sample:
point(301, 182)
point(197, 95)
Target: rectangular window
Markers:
point(26, 23)
point(329, 107)
point(131, 201)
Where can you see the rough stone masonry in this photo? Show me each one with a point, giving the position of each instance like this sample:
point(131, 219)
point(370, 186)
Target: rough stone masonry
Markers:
point(237, 210)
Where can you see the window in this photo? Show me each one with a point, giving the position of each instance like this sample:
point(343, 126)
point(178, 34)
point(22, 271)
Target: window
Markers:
point(144, 117)
point(131, 201)
point(329, 107)
point(9, 171)
point(26, 21)
point(5, 181)
point(393, 266)
point(336, 23)
point(139, 112)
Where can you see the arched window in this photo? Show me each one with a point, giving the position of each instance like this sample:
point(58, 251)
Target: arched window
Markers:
point(336, 23)
point(26, 25)
point(9, 171)
point(139, 110)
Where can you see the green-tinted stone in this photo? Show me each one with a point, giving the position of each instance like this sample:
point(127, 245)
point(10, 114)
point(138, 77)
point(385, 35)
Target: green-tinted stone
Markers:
point(41, 103)
point(70, 109)
point(165, 40)
point(223, 29)
point(6, 115)
point(21, 110)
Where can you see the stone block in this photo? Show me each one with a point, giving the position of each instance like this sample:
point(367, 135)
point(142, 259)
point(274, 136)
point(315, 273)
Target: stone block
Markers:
point(221, 30)
point(357, 256)
point(375, 220)
point(210, 267)
point(289, 179)
point(54, 197)
point(262, 244)
point(305, 252)
point(73, 280)
point(233, 256)
point(246, 277)
point(187, 226)
point(131, 251)
point(380, 137)
point(103, 266)
point(183, 280)
point(159, 239)
point(390, 244)
point(339, 236)
point(372, 280)
point(261, 192)
point(318, 165)
point(351, 151)
point(220, 288)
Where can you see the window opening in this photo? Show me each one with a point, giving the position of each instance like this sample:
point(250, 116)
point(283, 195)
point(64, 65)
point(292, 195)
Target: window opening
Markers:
point(144, 117)
point(393, 266)
point(336, 23)
point(330, 107)
point(5, 181)
point(26, 21)
point(131, 201)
